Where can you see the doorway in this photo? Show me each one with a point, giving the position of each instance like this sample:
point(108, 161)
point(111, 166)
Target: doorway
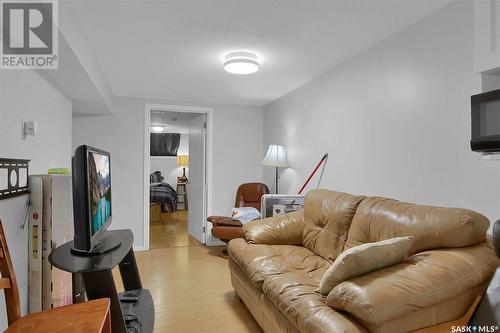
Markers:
point(177, 175)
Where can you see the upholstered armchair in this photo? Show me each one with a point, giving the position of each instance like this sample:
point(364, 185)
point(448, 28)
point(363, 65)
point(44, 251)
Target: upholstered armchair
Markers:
point(224, 227)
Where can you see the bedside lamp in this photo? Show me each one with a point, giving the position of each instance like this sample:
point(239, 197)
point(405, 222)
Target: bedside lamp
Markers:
point(276, 157)
point(183, 162)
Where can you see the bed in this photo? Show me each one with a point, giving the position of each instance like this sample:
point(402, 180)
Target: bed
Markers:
point(162, 193)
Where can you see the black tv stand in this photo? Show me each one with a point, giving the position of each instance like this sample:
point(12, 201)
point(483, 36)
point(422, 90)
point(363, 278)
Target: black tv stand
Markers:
point(107, 243)
point(99, 283)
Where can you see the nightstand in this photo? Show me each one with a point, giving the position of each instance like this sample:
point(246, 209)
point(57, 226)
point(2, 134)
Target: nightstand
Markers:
point(182, 198)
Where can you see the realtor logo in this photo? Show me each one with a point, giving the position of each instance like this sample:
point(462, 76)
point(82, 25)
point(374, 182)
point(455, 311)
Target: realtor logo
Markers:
point(29, 34)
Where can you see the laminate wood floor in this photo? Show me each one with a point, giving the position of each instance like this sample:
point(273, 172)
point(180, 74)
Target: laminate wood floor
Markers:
point(171, 231)
point(192, 291)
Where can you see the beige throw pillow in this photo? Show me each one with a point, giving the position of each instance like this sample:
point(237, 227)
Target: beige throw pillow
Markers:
point(363, 259)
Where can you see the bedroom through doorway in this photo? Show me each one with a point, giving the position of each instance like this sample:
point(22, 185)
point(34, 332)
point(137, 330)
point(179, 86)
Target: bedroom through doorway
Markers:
point(177, 182)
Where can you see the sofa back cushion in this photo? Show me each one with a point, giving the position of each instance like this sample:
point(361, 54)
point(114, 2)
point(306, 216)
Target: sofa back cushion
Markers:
point(431, 227)
point(327, 217)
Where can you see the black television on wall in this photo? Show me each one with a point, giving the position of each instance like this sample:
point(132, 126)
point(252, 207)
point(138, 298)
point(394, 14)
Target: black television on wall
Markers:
point(485, 122)
point(92, 211)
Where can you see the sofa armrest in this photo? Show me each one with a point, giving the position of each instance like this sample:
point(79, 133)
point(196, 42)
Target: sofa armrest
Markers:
point(280, 230)
point(424, 280)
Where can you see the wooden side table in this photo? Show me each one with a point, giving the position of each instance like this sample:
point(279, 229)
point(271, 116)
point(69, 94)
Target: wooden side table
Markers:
point(87, 317)
point(182, 197)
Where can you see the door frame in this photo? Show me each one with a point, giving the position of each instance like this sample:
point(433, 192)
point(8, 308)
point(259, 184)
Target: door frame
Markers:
point(208, 111)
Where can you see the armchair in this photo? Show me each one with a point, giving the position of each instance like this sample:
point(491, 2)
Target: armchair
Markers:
point(224, 227)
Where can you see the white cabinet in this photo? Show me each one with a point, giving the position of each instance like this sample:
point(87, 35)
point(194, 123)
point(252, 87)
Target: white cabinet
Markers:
point(487, 36)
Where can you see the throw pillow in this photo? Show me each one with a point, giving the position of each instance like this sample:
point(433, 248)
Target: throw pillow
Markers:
point(363, 259)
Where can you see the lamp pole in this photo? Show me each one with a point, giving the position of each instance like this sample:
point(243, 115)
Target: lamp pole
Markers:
point(277, 180)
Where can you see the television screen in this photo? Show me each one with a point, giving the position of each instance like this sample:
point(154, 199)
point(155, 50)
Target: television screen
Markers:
point(99, 189)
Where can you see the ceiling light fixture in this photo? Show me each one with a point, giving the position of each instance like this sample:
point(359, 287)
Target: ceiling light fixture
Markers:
point(157, 128)
point(241, 63)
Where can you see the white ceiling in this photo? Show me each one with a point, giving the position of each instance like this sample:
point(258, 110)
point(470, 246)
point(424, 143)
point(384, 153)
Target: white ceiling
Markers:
point(173, 49)
point(174, 122)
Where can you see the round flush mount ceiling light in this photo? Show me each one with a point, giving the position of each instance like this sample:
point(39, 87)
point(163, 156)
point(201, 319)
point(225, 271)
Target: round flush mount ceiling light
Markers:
point(157, 128)
point(241, 63)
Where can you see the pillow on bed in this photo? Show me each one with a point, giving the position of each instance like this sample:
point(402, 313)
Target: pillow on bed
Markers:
point(363, 259)
point(156, 177)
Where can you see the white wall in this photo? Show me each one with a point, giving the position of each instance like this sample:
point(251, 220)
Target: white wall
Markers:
point(167, 165)
point(395, 120)
point(25, 94)
point(237, 139)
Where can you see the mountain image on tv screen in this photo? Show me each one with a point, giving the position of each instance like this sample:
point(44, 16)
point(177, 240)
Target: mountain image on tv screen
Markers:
point(99, 182)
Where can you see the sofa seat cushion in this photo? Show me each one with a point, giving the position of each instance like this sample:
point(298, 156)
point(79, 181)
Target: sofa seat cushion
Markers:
point(261, 261)
point(293, 293)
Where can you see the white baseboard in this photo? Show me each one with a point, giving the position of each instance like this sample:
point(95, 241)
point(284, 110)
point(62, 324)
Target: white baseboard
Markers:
point(138, 248)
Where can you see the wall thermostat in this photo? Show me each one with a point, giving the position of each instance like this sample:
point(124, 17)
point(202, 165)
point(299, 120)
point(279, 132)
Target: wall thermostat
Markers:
point(29, 127)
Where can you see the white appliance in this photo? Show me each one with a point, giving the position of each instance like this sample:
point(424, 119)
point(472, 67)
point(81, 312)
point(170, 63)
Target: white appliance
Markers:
point(280, 204)
point(50, 225)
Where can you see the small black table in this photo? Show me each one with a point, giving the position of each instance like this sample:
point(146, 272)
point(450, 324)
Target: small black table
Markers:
point(99, 282)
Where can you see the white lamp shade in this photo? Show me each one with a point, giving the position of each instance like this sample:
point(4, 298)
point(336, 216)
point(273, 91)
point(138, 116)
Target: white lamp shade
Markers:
point(276, 157)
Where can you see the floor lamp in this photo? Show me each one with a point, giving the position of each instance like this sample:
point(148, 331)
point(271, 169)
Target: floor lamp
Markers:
point(276, 157)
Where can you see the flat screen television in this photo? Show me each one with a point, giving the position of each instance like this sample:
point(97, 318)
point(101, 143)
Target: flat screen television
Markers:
point(485, 122)
point(91, 200)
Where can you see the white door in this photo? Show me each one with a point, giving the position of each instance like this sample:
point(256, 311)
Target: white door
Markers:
point(197, 178)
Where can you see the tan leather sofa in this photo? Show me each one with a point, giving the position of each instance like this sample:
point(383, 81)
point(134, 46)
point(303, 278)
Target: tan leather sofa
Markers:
point(277, 267)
